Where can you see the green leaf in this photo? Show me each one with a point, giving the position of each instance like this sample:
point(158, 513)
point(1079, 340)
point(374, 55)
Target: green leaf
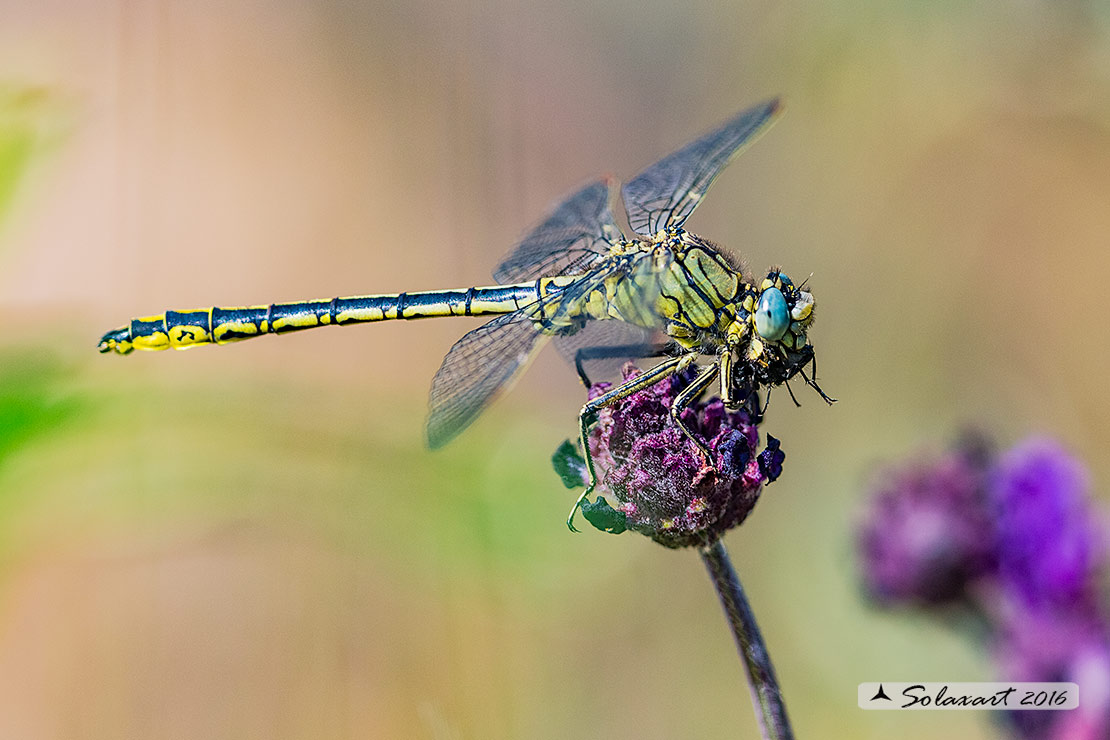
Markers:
point(570, 465)
point(604, 517)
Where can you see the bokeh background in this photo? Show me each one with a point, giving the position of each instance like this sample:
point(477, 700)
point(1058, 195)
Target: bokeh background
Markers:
point(251, 542)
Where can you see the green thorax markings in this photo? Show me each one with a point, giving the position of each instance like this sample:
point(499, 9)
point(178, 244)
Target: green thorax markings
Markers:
point(674, 281)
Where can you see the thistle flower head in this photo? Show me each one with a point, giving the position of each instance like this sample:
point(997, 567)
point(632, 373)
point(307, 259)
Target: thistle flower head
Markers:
point(659, 481)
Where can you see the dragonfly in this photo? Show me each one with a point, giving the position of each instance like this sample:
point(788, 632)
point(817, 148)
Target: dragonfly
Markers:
point(576, 278)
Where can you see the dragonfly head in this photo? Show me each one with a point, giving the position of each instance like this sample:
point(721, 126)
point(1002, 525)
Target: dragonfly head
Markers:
point(780, 314)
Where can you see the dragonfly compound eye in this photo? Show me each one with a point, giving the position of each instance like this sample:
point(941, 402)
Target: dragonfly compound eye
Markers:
point(771, 315)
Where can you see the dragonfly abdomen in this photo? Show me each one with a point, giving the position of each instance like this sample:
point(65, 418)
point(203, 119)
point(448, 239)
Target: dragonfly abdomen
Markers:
point(184, 329)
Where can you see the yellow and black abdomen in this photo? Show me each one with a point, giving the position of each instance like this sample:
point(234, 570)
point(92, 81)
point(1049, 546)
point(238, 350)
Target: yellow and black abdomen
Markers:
point(184, 329)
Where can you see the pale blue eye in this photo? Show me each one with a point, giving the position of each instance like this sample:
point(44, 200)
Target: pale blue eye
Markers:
point(771, 316)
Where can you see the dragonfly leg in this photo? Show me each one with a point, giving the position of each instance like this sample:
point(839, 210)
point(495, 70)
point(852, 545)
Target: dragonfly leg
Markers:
point(703, 380)
point(766, 404)
point(602, 352)
point(589, 412)
point(724, 364)
point(791, 392)
point(812, 383)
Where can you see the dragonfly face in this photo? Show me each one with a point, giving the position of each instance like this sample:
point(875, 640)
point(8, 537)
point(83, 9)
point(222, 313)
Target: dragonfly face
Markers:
point(780, 315)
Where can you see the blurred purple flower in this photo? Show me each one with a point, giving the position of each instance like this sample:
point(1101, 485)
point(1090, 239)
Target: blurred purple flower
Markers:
point(1037, 645)
point(1022, 528)
point(1048, 546)
point(1090, 669)
point(1056, 646)
point(927, 533)
point(661, 484)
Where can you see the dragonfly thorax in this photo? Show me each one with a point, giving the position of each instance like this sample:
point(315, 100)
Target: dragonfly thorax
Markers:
point(699, 291)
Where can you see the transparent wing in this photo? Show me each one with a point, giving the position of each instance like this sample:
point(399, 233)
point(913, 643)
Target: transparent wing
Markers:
point(606, 346)
point(666, 193)
point(572, 239)
point(481, 364)
point(485, 361)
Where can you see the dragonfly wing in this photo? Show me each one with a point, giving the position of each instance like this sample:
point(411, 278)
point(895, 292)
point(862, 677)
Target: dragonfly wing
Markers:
point(665, 194)
point(485, 361)
point(572, 239)
point(606, 346)
point(480, 365)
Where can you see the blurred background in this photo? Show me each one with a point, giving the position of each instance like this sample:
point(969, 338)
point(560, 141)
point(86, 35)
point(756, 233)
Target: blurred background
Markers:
point(252, 542)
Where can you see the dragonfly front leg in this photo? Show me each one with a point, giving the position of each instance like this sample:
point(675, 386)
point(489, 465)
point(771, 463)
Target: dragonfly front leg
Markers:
point(589, 412)
point(688, 395)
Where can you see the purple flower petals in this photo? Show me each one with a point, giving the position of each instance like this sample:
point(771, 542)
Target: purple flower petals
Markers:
point(657, 477)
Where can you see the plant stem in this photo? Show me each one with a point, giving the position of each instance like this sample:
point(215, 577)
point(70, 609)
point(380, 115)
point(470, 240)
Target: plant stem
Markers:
point(766, 695)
